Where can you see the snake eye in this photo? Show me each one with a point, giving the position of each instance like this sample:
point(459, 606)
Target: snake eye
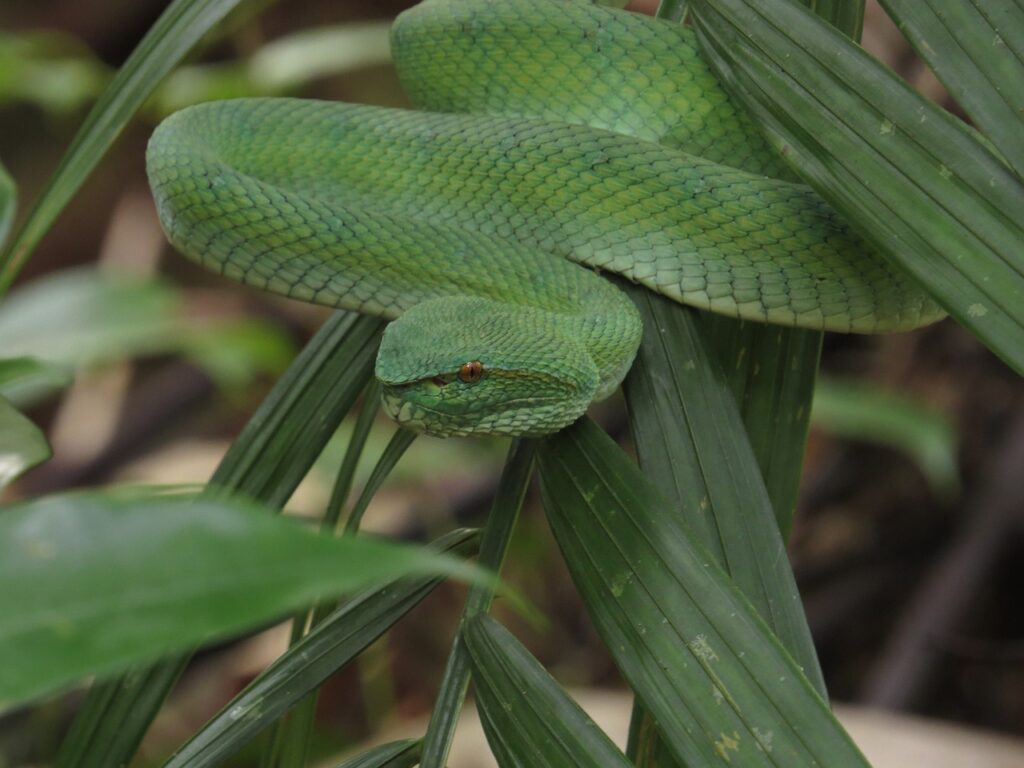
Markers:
point(472, 372)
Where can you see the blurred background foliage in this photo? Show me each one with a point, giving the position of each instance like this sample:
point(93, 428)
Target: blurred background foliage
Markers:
point(141, 368)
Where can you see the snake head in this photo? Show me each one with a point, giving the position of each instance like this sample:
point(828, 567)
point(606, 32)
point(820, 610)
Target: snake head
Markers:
point(464, 366)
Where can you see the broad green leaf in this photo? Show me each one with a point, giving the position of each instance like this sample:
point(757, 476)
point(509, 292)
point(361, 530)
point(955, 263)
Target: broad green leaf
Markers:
point(82, 317)
point(236, 351)
point(333, 643)
point(25, 381)
point(858, 411)
point(281, 66)
point(289, 62)
point(22, 444)
point(175, 33)
point(90, 585)
point(397, 754)
point(508, 500)
point(288, 743)
point(51, 70)
point(529, 720)
point(8, 203)
point(976, 47)
point(912, 178)
point(85, 317)
point(692, 444)
point(266, 463)
point(716, 680)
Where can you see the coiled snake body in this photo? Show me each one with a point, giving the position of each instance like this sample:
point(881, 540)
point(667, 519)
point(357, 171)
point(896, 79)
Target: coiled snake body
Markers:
point(558, 139)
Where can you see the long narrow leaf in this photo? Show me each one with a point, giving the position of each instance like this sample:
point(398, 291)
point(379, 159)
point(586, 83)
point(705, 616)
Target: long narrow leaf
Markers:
point(397, 754)
point(281, 441)
point(8, 203)
point(289, 742)
point(976, 47)
point(715, 679)
point(529, 720)
point(912, 178)
point(858, 411)
point(692, 444)
point(175, 33)
point(396, 448)
point(508, 500)
point(845, 15)
point(91, 584)
point(771, 371)
point(266, 463)
point(332, 644)
point(110, 723)
point(22, 444)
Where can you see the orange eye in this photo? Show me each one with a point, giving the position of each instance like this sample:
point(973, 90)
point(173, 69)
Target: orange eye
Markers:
point(471, 373)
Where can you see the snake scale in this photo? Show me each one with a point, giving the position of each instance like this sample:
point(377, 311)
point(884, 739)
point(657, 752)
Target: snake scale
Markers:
point(553, 140)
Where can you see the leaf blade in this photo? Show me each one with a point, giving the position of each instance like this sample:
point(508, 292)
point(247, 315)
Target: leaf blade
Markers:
point(26, 380)
point(972, 48)
point(266, 461)
point(91, 584)
point(692, 648)
point(691, 441)
point(334, 642)
point(8, 203)
point(501, 522)
point(858, 411)
point(528, 718)
point(913, 180)
point(396, 754)
point(22, 444)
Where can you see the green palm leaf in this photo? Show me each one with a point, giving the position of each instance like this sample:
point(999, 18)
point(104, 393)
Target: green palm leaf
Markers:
point(397, 754)
point(914, 180)
point(529, 720)
point(333, 643)
point(719, 685)
point(976, 47)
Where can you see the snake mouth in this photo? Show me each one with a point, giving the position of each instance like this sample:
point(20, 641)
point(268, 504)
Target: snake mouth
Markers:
point(405, 412)
point(509, 419)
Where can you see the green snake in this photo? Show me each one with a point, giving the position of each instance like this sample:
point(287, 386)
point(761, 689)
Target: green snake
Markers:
point(553, 140)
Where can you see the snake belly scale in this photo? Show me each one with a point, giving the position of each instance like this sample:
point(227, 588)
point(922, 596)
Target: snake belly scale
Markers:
point(480, 224)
